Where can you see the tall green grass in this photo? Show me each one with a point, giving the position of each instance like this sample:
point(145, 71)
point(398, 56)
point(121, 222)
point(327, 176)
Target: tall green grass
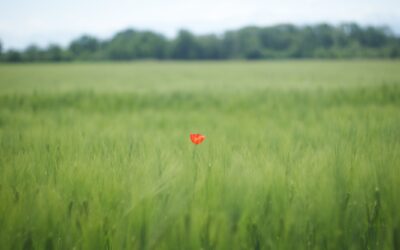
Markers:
point(298, 155)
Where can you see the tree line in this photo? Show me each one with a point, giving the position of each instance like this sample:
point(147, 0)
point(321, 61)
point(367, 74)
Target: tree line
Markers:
point(348, 40)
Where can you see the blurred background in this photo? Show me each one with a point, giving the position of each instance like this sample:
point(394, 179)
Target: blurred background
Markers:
point(299, 154)
point(45, 30)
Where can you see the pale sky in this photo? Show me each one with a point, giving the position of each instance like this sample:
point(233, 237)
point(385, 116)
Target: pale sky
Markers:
point(23, 22)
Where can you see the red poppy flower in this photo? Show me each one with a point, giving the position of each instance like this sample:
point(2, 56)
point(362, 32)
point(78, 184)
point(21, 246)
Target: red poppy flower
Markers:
point(197, 138)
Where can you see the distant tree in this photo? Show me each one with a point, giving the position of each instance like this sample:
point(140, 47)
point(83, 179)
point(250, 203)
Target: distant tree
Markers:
point(249, 43)
point(279, 37)
point(132, 44)
point(121, 46)
point(1, 51)
point(84, 47)
point(150, 45)
point(375, 37)
point(209, 47)
point(13, 56)
point(185, 46)
point(229, 44)
point(394, 52)
point(33, 53)
point(324, 35)
point(53, 53)
point(347, 40)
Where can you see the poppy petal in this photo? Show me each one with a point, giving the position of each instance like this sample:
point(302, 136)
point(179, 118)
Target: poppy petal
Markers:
point(197, 138)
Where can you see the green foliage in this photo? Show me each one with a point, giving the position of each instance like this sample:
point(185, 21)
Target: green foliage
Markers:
point(33, 53)
point(298, 155)
point(347, 40)
point(84, 47)
point(54, 53)
point(185, 46)
point(131, 44)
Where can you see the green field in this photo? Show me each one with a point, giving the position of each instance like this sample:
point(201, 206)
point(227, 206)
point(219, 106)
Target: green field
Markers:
point(298, 155)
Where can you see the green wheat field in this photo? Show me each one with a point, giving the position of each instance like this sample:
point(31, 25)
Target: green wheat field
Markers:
point(298, 155)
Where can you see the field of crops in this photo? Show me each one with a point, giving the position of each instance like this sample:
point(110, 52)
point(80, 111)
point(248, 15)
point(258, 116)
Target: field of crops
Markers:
point(298, 155)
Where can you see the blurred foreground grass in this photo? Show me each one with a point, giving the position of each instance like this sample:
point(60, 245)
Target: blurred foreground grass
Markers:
point(298, 155)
